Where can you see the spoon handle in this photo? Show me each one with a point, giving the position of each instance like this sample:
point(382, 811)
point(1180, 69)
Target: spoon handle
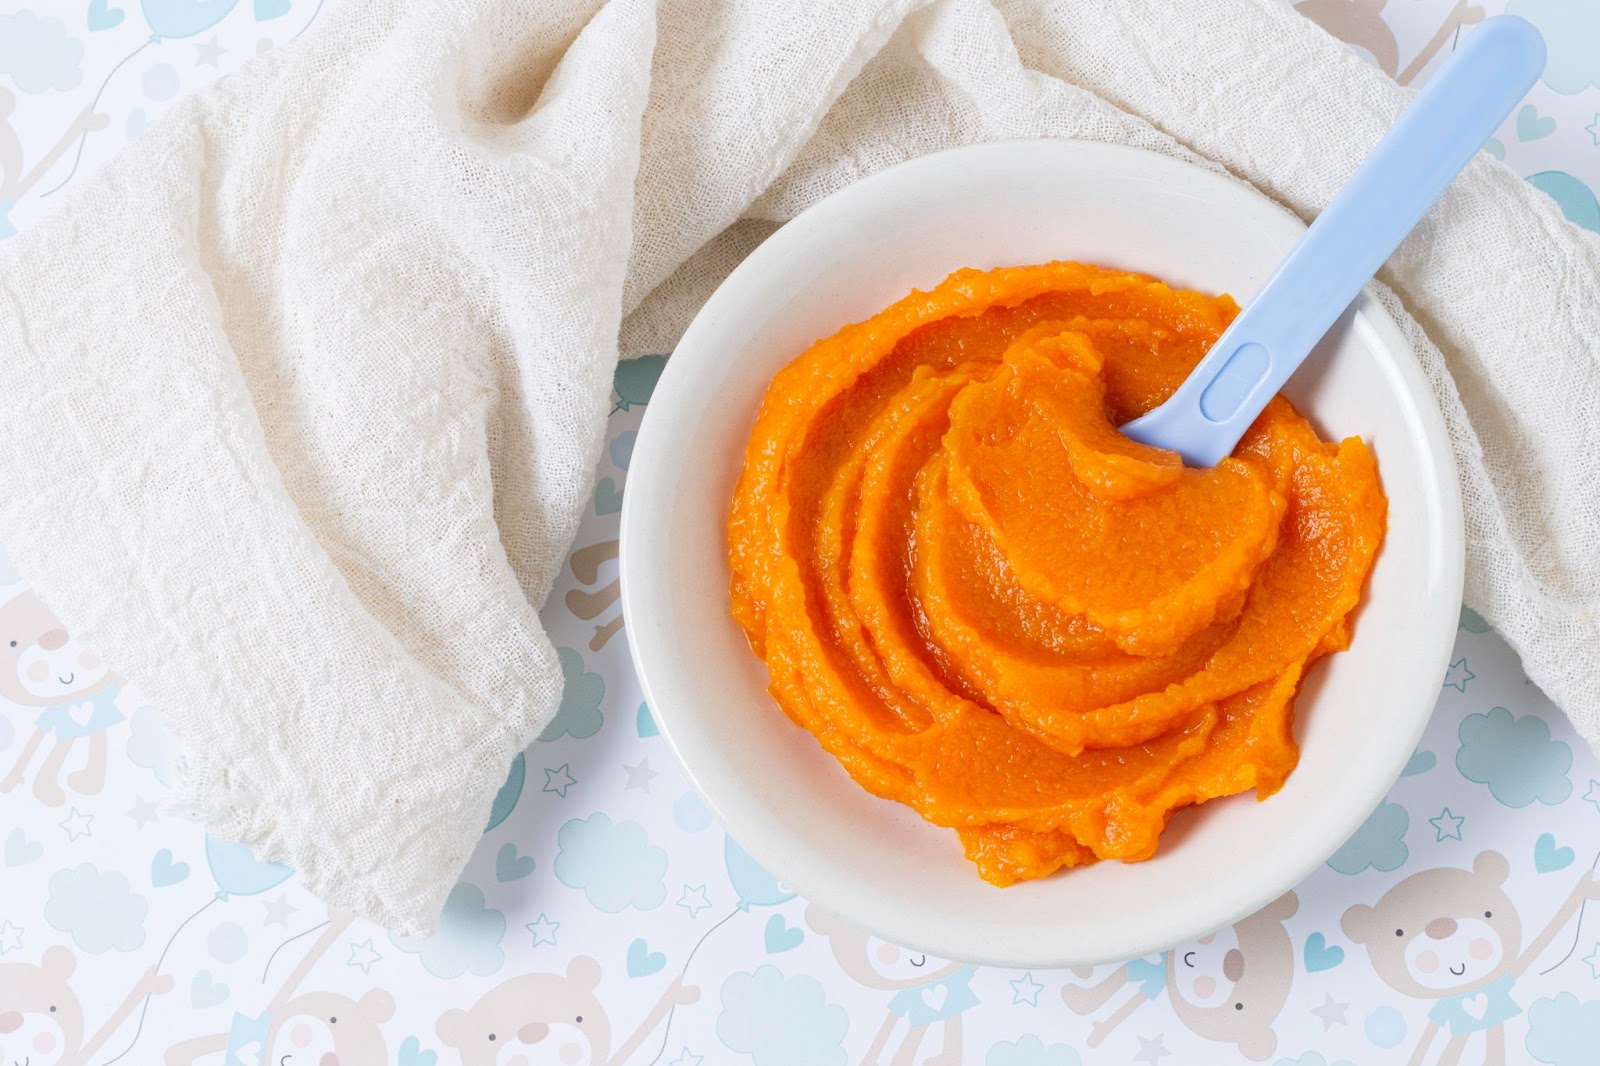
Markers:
point(1432, 141)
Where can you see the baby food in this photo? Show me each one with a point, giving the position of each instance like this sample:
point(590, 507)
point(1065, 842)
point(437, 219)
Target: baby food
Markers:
point(990, 605)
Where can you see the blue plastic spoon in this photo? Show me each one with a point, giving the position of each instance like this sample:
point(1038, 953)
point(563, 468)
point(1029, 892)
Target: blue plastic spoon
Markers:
point(1387, 196)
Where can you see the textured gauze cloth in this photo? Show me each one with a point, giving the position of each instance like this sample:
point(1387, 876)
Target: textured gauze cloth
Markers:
point(300, 395)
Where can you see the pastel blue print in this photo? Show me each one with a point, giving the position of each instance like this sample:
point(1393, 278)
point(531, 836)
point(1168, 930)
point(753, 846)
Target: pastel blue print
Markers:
point(39, 54)
point(1149, 974)
point(468, 940)
point(614, 865)
point(581, 695)
point(921, 1005)
point(69, 721)
point(781, 1022)
point(1029, 1050)
point(412, 1053)
point(1312, 1058)
point(622, 448)
point(689, 811)
point(1576, 200)
point(238, 872)
point(1515, 757)
point(227, 942)
point(505, 801)
point(753, 884)
point(1385, 1027)
point(1380, 843)
point(100, 911)
point(636, 379)
point(1564, 1031)
point(149, 745)
point(1492, 1005)
point(184, 18)
point(1571, 30)
point(1419, 763)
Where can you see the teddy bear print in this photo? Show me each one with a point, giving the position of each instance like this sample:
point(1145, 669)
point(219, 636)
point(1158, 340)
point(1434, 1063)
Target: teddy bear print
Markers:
point(41, 1021)
point(1454, 937)
point(15, 181)
point(41, 665)
point(586, 563)
point(301, 1029)
point(1360, 23)
point(1227, 987)
point(545, 1019)
point(926, 990)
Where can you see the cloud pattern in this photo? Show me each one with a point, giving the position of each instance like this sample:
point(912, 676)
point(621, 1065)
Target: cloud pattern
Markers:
point(468, 940)
point(1571, 31)
point(100, 911)
point(780, 1021)
point(581, 695)
point(613, 864)
point(1564, 1031)
point(1515, 757)
point(1380, 843)
point(39, 54)
point(1029, 1050)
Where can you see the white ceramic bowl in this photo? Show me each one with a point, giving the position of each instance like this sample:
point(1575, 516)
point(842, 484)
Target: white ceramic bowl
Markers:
point(877, 863)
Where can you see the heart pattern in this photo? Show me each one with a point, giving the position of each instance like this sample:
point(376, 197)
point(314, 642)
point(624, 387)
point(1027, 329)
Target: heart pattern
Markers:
point(642, 962)
point(510, 866)
point(102, 17)
point(1320, 955)
point(645, 723)
point(206, 991)
point(20, 850)
point(779, 936)
point(164, 872)
point(607, 497)
point(1420, 763)
point(1531, 125)
point(1547, 858)
point(1475, 1006)
point(411, 1053)
point(935, 995)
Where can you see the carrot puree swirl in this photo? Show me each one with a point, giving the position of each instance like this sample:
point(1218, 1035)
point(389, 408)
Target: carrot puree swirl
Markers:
point(991, 606)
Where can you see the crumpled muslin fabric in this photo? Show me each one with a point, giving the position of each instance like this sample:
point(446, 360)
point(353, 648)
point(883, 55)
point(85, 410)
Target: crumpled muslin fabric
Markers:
point(300, 395)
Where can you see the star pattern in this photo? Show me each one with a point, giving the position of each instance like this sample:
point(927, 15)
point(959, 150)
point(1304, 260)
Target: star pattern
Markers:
point(1592, 960)
point(1593, 129)
point(209, 54)
point(639, 777)
point(1331, 1012)
point(559, 779)
point(76, 824)
point(143, 812)
point(1593, 795)
point(10, 937)
point(363, 955)
point(694, 899)
point(1458, 676)
point(543, 930)
point(686, 1058)
point(279, 910)
point(1026, 990)
point(1152, 1049)
point(1447, 826)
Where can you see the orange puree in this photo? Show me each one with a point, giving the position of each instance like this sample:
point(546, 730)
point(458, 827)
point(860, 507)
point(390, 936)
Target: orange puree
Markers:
point(990, 605)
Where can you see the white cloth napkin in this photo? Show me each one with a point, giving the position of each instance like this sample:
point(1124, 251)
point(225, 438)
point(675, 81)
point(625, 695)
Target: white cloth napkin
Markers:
point(301, 395)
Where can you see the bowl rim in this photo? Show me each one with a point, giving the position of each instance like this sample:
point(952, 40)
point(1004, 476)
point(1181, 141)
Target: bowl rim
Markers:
point(739, 819)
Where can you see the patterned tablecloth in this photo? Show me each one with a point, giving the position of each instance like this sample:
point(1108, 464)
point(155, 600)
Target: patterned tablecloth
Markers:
point(605, 918)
